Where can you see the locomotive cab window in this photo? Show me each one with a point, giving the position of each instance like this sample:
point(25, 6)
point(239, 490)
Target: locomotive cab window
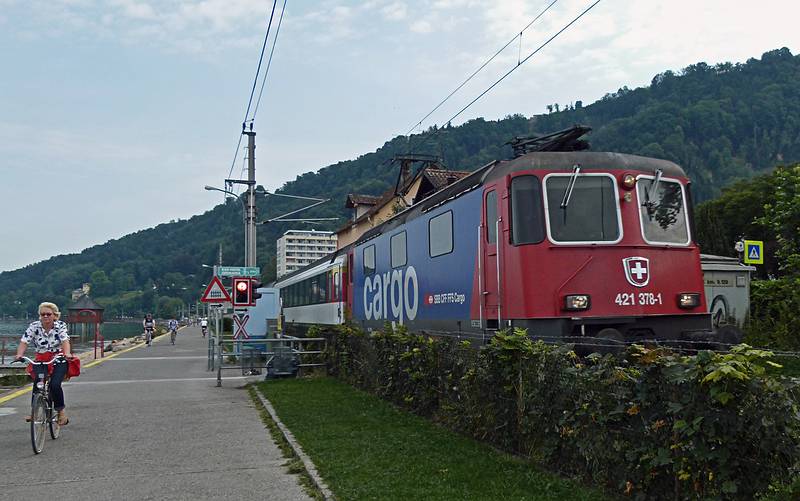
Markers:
point(527, 226)
point(582, 208)
point(491, 217)
point(662, 211)
point(369, 260)
point(398, 249)
point(440, 234)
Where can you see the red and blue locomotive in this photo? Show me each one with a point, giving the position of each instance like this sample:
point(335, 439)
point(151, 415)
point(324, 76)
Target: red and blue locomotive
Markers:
point(566, 244)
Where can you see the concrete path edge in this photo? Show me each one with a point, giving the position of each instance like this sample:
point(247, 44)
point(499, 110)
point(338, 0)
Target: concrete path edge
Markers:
point(287, 434)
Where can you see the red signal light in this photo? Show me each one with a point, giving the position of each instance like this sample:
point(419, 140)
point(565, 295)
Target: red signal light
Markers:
point(241, 292)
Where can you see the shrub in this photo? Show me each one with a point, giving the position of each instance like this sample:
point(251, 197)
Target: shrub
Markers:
point(649, 423)
point(774, 321)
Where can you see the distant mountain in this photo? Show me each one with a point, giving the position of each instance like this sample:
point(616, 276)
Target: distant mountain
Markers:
point(722, 123)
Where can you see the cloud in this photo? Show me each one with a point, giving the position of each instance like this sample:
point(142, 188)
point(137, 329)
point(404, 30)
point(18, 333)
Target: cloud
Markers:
point(134, 9)
point(421, 26)
point(196, 26)
point(59, 147)
point(395, 11)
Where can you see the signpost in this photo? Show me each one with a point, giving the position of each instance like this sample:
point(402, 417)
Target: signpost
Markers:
point(240, 319)
point(237, 271)
point(215, 292)
point(754, 252)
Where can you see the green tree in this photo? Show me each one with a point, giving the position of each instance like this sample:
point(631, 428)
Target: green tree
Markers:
point(101, 285)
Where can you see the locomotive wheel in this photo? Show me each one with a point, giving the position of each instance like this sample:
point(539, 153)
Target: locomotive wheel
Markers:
point(611, 339)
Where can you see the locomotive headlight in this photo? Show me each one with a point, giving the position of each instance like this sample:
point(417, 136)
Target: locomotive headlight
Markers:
point(688, 300)
point(628, 181)
point(577, 302)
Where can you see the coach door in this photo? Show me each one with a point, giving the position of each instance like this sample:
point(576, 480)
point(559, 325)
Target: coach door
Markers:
point(490, 265)
point(347, 286)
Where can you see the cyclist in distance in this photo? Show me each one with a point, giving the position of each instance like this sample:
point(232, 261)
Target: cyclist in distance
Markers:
point(204, 326)
point(149, 326)
point(50, 339)
point(173, 329)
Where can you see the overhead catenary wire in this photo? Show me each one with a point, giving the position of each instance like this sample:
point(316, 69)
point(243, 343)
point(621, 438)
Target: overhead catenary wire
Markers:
point(255, 82)
point(269, 61)
point(520, 63)
point(542, 46)
point(481, 67)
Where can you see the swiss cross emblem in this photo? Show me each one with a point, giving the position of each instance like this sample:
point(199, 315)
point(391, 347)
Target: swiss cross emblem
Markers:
point(637, 270)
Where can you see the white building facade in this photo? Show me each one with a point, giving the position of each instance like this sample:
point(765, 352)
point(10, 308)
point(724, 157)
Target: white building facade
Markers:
point(297, 248)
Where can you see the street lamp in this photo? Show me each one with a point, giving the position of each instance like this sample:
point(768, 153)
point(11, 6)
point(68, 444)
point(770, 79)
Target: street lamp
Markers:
point(249, 234)
point(249, 210)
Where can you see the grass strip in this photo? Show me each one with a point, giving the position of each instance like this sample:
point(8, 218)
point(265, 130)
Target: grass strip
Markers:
point(293, 464)
point(365, 448)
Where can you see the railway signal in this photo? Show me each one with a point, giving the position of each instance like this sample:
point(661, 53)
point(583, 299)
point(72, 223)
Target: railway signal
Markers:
point(242, 292)
point(255, 284)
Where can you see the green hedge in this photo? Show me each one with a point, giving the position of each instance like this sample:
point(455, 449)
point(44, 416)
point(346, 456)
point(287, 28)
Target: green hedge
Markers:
point(774, 321)
point(648, 423)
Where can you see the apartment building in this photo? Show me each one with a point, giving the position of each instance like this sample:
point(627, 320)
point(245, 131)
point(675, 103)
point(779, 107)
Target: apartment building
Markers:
point(297, 248)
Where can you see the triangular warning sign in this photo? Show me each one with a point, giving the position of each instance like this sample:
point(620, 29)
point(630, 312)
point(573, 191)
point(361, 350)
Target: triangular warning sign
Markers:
point(215, 292)
point(753, 252)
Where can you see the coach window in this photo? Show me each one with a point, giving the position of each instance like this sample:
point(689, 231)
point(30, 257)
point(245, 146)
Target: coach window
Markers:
point(662, 211)
point(322, 281)
point(369, 260)
point(440, 234)
point(491, 217)
point(335, 295)
point(398, 249)
point(582, 208)
point(314, 299)
point(527, 225)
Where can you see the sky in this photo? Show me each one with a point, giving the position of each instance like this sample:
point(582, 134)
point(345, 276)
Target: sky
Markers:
point(114, 114)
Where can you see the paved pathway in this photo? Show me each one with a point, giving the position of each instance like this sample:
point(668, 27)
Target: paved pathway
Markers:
point(148, 424)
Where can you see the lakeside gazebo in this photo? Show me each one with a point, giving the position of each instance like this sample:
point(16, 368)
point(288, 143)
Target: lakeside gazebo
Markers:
point(84, 318)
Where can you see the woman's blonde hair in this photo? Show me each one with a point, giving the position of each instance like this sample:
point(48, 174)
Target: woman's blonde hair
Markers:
point(52, 307)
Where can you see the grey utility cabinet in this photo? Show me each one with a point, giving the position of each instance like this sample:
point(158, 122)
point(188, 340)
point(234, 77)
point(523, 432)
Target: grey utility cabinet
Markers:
point(727, 288)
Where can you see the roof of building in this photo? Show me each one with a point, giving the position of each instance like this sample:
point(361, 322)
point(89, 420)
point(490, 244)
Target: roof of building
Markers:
point(438, 179)
point(85, 303)
point(354, 199)
point(315, 233)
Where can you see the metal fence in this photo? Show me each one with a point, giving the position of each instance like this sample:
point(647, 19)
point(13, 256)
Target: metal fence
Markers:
point(279, 356)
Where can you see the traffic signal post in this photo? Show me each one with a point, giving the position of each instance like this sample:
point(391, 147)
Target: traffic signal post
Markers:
point(245, 291)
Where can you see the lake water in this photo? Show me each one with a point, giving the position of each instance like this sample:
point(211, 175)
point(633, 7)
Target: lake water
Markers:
point(11, 331)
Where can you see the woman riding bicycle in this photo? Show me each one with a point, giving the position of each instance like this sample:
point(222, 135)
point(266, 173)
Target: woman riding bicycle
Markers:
point(50, 339)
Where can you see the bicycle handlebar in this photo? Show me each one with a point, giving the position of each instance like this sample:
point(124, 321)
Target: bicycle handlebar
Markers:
point(34, 362)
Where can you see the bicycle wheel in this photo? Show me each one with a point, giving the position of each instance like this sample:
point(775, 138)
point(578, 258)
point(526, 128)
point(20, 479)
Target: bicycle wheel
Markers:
point(172, 336)
point(52, 421)
point(38, 423)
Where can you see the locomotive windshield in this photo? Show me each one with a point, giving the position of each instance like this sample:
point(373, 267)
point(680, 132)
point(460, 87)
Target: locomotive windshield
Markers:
point(592, 213)
point(662, 211)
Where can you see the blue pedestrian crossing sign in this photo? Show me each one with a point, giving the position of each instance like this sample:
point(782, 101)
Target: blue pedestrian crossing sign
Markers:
point(754, 252)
